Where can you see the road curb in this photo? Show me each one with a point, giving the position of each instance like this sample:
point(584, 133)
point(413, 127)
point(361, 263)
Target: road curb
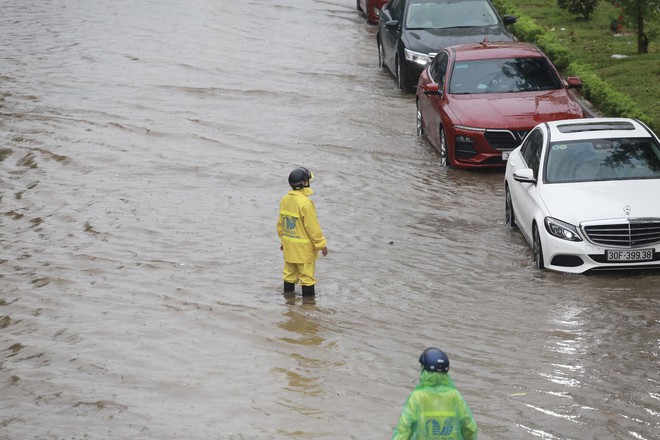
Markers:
point(587, 107)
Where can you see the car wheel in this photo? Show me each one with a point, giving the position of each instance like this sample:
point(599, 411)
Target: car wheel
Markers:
point(538, 249)
point(444, 157)
point(381, 59)
point(402, 74)
point(509, 215)
point(420, 128)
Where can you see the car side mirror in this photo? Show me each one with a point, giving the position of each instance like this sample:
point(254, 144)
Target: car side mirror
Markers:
point(509, 19)
point(525, 175)
point(392, 23)
point(574, 82)
point(431, 89)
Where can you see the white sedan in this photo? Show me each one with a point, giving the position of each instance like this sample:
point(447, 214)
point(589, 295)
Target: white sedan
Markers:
point(585, 193)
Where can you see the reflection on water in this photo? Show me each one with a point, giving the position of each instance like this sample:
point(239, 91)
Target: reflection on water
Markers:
point(144, 147)
point(302, 330)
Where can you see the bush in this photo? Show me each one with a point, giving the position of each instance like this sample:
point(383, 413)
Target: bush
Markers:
point(527, 30)
point(608, 100)
point(578, 7)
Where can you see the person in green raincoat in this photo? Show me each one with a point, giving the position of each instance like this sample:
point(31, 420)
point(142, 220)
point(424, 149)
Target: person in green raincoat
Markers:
point(300, 234)
point(435, 409)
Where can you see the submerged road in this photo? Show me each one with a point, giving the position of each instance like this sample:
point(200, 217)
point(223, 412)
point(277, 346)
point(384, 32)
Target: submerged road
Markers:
point(144, 147)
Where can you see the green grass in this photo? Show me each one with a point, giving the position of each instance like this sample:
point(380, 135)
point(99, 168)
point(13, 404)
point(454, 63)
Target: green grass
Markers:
point(592, 44)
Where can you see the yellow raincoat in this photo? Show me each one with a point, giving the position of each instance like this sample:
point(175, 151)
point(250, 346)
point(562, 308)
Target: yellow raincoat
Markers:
point(298, 227)
point(435, 410)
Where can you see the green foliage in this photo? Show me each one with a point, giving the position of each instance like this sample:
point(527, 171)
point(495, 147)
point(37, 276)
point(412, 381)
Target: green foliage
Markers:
point(505, 7)
point(565, 43)
point(526, 29)
point(583, 8)
point(649, 9)
point(560, 55)
point(608, 100)
point(643, 16)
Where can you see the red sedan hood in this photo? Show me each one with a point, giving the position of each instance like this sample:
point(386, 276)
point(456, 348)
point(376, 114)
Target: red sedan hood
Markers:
point(522, 110)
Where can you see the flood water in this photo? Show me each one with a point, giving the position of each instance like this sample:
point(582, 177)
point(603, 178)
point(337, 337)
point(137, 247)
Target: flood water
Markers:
point(144, 147)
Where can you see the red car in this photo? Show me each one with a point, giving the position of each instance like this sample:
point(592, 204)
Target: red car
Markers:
point(476, 102)
point(371, 9)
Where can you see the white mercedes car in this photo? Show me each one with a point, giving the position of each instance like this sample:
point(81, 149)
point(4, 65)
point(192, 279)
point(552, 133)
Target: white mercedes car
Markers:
point(585, 193)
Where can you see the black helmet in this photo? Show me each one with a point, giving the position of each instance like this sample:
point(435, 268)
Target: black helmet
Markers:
point(435, 360)
point(300, 177)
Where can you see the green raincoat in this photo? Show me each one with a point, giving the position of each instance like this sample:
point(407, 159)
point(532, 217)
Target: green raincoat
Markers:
point(435, 410)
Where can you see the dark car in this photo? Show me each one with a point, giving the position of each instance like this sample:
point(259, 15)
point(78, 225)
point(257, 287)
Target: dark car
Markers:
point(371, 9)
point(476, 102)
point(411, 32)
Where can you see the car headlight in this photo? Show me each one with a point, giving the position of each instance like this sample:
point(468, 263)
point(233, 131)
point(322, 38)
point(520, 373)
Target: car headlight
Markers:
point(418, 57)
point(560, 229)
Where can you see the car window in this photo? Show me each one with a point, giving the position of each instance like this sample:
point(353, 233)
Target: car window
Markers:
point(603, 159)
point(445, 15)
point(439, 68)
point(531, 150)
point(503, 75)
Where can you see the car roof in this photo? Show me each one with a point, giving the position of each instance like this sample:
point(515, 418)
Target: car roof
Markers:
point(489, 50)
point(595, 128)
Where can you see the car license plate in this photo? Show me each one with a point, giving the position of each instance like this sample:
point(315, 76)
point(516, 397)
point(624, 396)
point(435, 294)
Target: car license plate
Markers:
point(505, 155)
point(632, 255)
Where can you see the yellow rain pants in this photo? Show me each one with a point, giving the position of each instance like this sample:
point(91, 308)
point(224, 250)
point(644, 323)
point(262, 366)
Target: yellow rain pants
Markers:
point(301, 236)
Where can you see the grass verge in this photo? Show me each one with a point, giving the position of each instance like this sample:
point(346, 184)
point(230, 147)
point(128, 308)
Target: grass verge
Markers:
point(625, 84)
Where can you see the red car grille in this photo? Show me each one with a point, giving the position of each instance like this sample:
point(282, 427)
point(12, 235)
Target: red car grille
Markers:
point(504, 139)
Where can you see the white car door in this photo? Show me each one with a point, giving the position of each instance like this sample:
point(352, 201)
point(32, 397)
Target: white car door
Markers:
point(524, 195)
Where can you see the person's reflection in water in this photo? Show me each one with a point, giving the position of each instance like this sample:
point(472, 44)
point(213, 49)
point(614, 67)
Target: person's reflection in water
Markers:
point(290, 298)
point(302, 337)
point(304, 330)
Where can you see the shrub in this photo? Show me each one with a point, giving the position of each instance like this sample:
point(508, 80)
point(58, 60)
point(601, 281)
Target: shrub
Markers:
point(527, 30)
point(560, 55)
point(578, 7)
point(608, 100)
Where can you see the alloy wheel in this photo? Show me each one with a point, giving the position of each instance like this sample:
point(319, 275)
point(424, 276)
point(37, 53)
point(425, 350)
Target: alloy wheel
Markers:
point(420, 128)
point(381, 61)
point(509, 215)
point(538, 250)
point(444, 159)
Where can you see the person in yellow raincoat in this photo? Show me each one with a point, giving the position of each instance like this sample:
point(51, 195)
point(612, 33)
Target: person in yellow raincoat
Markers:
point(435, 409)
point(300, 233)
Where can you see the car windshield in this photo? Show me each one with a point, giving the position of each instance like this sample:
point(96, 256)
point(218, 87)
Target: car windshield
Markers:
point(452, 14)
point(602, 159)
point(503, 75)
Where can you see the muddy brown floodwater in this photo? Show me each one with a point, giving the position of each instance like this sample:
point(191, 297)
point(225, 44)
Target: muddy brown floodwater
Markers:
point(144, 147)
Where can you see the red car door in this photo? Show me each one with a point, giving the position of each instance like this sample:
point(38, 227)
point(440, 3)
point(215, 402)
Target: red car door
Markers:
point(431, 103)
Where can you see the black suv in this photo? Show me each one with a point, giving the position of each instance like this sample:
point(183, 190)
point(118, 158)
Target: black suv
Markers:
point(411, 32)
